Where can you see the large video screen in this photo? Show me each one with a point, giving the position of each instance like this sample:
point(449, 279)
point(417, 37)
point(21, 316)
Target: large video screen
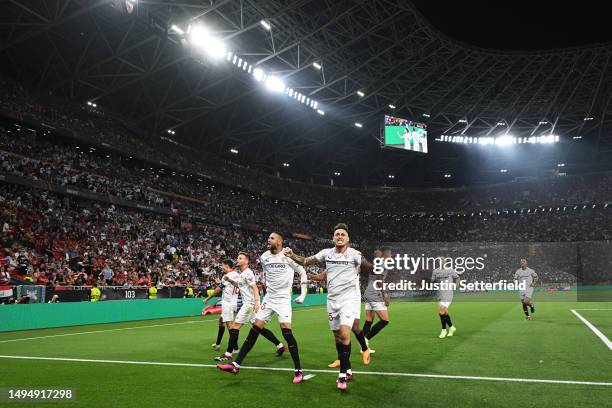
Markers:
point(405, 134)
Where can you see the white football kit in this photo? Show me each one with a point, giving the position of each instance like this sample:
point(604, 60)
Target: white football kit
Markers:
point(229, 297)
point(278, 276)
point(246, 314)
point(343, 294)
point(527, 276)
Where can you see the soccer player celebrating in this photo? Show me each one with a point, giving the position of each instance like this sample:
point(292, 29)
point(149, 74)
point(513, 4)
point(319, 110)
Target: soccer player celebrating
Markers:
point(279, 270)
point(526, 276)
point(250, 305)
point(376, 301)
point(445, 278)
point(229, 298)
point(359, 334)
point(343, 298)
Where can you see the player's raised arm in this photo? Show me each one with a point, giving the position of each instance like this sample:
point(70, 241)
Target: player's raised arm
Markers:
point(303, 280)
point(305, 261)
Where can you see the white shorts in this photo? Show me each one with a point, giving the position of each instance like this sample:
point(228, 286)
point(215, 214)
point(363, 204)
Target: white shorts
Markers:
point(269, 307)
point(227, 313)
point(445, 304)
point(527, 293)
point(343, 313)
point(246, 314)
point(375, 306)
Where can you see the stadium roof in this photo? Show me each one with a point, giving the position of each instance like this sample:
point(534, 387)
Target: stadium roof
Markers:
point(125, 56)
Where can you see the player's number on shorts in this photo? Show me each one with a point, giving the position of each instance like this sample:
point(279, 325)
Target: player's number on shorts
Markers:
point(130, 294)
point(330, 316)
point(263, 306)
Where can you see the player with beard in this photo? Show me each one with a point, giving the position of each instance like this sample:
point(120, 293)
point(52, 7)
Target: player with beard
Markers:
point(342, 264)
point(279, 270)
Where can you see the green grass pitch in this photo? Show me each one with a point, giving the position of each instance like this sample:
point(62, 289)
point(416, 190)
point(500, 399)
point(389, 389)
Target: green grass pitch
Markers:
point(492, 340)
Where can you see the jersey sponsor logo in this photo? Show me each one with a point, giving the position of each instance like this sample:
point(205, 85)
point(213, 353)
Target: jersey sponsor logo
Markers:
point(275, 265)
point(334, 262)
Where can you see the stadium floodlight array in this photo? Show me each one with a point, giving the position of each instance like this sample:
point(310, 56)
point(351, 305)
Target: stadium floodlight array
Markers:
point(504, 140)
point(201, 39)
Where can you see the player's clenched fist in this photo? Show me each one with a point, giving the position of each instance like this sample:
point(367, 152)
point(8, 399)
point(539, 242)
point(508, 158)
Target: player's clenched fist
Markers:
point(288, 252)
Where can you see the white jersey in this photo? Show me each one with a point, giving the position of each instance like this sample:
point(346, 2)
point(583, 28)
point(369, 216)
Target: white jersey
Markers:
point(247, 278)
point(278, 275)
point(525, 275)
point(342, 273)
point(229, 296)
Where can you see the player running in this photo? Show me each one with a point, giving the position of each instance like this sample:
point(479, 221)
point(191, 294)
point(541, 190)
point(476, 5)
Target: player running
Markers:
point(279, 270)
point(229, 298)
point(446, 278)
point(343, 297)
point(527, 276)
point(376, 301)
point(247, 284)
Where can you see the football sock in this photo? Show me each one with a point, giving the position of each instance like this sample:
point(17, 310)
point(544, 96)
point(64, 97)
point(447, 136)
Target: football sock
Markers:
point(448, 321)
point(361, 339)
point(267, 333)
point(377, 328)
point(525, 309)
point(345, 357)
point(293, 348)
point(220, 333)
point(232, 344)
point(443, 321)
point(248, 344)
point(366, 329)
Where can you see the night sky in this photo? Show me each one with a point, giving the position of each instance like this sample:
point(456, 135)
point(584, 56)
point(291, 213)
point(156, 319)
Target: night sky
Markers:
point(520, 24)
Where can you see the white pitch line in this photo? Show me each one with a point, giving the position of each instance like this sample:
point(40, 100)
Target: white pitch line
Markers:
point(125, 328)
point(104, 331)
point(594, 329)
point(387, 374)
point(594, 309)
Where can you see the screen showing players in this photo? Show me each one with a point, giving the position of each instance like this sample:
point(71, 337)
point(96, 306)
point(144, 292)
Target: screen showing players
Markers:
point(405, 134)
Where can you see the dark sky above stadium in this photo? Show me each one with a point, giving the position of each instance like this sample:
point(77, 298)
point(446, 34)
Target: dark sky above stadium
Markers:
point(520, 24)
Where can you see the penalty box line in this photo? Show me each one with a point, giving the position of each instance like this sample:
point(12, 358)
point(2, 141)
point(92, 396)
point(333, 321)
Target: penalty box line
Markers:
point(127, 328)
point(594, 329)
point(372, 373)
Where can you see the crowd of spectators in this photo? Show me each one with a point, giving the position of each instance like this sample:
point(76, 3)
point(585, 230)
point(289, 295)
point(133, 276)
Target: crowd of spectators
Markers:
point(97, 172)
point(51, 240)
